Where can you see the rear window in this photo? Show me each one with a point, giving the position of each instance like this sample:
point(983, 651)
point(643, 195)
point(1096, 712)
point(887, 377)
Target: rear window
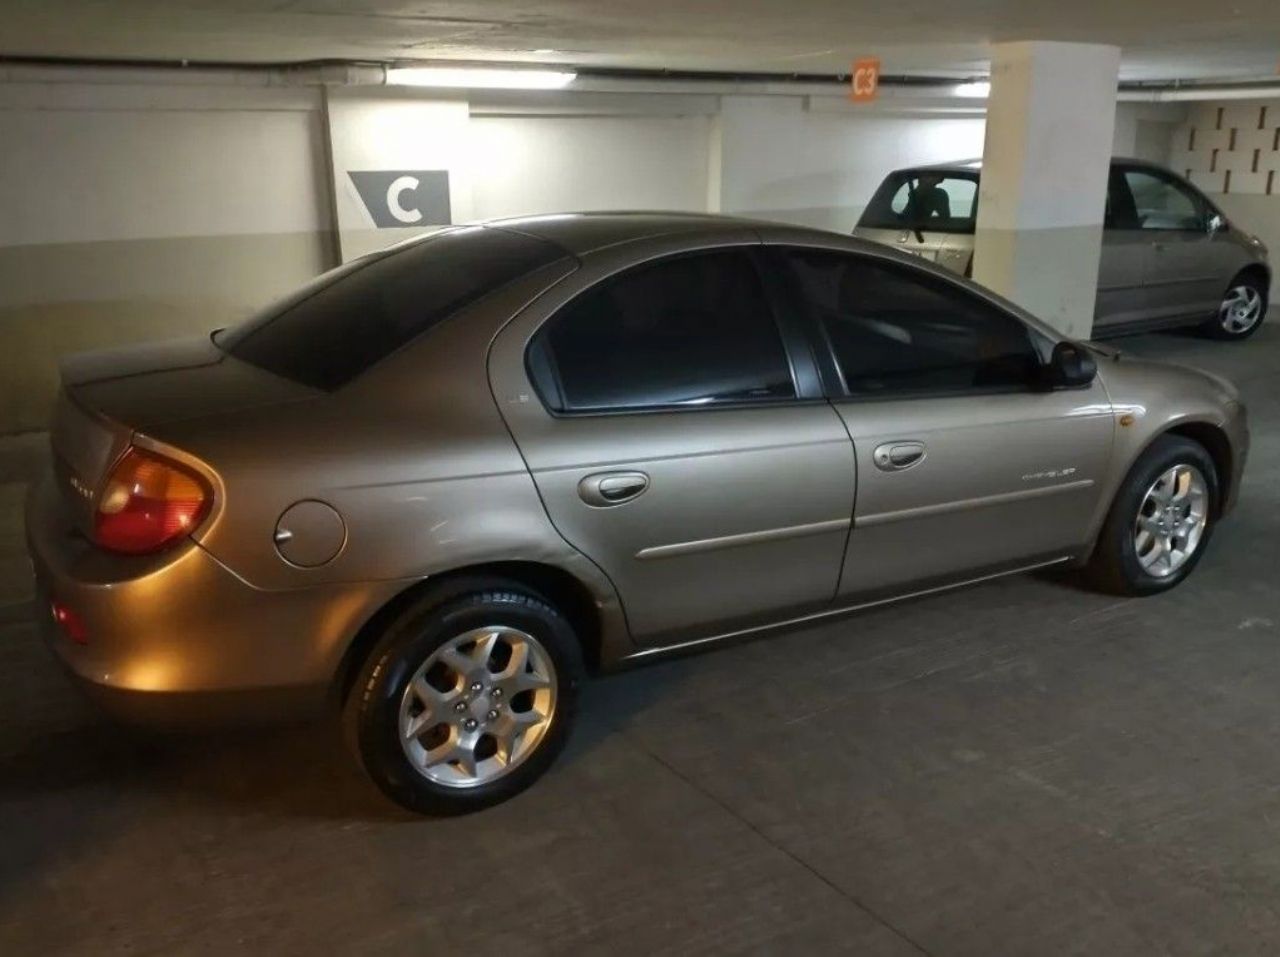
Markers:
point(925, 200)
point(333, 329)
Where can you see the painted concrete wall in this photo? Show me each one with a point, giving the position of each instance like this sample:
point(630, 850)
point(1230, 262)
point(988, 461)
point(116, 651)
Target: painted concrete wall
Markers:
point(122, 223)
point(816, 162)
point(131, 212)
point(1231, 150)
point(522, 165)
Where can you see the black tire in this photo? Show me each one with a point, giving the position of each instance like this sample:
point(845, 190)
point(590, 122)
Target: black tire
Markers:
point(372, 711)
point(1217, 327)
point(1114, 566)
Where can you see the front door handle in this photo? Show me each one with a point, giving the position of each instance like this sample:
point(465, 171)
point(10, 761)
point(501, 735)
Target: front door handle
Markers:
point(612, 488)
point(897, 456)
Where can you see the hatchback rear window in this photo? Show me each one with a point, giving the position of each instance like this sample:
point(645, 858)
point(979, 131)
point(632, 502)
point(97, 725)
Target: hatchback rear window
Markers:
point(925, 200)
point(343, 322)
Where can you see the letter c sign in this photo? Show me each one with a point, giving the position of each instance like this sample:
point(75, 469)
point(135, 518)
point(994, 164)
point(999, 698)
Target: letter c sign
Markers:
point(864, 80)
point(399, 185)
point(402, 198)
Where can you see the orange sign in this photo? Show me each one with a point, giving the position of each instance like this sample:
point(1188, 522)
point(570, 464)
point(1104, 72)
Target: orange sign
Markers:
point(864, 80)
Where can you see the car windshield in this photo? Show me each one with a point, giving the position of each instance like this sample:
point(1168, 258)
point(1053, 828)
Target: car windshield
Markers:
point(924, 200)
point(341, 323)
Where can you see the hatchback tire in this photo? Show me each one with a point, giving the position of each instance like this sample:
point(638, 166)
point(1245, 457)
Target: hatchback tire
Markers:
point(1243, 308)
point(1160, 522)
point(465, 702)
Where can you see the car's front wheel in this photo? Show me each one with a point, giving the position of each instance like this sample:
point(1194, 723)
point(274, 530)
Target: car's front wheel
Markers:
point(465, 703)
point(1160, 521)
point(1242, 310)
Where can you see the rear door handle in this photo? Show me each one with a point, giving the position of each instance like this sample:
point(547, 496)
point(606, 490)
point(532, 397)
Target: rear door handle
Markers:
point(612, 488)
point(897, 456)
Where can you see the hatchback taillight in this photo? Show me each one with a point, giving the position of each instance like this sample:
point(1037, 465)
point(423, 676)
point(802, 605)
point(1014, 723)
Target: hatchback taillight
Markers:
point(149, 502)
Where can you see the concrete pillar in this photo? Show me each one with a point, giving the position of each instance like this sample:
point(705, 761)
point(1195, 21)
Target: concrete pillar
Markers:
point(1050, 122)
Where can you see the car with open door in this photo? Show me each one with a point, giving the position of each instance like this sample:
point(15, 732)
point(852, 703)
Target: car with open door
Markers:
point(1170, 257)
point(439, 485)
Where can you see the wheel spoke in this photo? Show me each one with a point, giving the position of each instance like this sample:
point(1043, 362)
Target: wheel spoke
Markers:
point(423, 722)
point(458, 661)
point(464, 753)
point(484, 648)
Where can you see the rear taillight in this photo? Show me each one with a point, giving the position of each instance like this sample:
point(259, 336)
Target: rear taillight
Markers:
point(149, 502)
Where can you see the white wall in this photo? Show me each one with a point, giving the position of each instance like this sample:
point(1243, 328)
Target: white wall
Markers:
point(522, 165)
point(153, 207)
point(1231, 150)
point(816, 162)
point(128, 215)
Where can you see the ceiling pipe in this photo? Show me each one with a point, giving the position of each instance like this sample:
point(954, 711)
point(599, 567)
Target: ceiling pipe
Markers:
point(898, 90)
point(1186, 93)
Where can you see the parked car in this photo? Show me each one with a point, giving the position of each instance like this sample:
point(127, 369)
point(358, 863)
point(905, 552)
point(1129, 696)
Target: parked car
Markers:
point(443, 482)
point(1170, 257)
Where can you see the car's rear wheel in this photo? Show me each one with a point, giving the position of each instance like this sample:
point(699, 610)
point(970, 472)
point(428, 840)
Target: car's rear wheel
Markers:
point(1242, 310)
point(467, 702)
point(1160, 522)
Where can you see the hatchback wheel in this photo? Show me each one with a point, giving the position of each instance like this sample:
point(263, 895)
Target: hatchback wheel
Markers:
point(1242, 311)
point(1160, 522)
point(465, 703)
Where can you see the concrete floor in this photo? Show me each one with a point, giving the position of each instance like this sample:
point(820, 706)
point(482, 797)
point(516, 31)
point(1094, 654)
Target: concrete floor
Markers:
point(1019, 768)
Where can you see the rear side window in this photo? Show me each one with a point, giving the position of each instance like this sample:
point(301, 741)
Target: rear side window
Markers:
point(899, 331)
point(924, 200)
point(345, 321)
point(694, 330)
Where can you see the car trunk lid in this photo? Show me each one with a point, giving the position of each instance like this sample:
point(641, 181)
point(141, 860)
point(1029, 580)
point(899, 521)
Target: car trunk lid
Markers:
point(107, 397)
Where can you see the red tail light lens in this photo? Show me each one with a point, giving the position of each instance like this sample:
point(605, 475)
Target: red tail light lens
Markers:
point(149, 502)
point(72, 625)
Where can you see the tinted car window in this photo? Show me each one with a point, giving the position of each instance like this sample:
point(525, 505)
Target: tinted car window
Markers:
point(332, 330)
point(924, 200)
point(897, 331)
point(1161, 203)
point(687, 331)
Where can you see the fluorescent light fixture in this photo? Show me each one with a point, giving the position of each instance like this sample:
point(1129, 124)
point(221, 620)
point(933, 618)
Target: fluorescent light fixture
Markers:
point(978, 89)
point(478, 78)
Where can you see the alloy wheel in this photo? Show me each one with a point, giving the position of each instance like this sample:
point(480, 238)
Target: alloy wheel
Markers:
point(478, 707)
point(1241, 310)
point(1171, 520)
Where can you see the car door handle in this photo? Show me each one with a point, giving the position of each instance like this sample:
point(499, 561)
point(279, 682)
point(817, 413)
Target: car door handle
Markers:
point(612, 488)
point(897, 456)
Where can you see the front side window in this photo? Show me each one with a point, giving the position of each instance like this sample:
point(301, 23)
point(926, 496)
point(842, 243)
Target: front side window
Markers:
point(896, 331)
point(690, 331)
point(1160, 203)
point(924, 200)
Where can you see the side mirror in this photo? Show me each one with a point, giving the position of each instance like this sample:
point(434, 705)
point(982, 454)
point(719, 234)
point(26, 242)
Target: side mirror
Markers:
point(1217, 224)
point(1071, 366)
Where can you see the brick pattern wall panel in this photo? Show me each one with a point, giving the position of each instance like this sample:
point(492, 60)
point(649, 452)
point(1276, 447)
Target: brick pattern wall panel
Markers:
point(1237, 138)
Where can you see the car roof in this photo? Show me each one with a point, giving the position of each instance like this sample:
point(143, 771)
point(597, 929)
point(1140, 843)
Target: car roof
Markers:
point(582, 233)
point(975, 165)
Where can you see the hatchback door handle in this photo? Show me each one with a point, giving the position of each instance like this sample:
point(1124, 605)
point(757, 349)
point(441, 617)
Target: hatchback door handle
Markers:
point(612, 488)
point(896, 456)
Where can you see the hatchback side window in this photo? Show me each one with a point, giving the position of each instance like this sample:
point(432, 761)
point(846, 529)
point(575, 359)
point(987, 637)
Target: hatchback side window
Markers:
point(693, 330)
point(1160, 203)
point(900, 331)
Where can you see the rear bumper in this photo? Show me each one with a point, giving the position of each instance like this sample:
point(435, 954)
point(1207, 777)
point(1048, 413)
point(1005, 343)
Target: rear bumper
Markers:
point(178, 639)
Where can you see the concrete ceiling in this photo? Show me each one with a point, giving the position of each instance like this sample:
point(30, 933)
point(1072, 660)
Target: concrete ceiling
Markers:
point(1161, 39)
